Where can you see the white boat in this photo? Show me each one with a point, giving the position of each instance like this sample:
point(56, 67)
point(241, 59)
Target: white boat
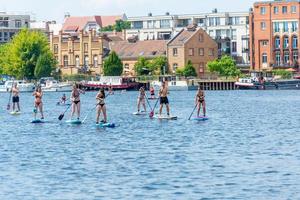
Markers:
point(55, 86)
point(173, 85)
point(21, 84)
point(245, 83)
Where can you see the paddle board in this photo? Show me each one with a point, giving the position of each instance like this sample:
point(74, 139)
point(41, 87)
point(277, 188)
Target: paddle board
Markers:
point(165, 117)
point(37, 121)
point(140, 113)
point(15, 113)
point(66, 104)
point(75, 122)
point(201, 118)
point(106, 125)
point(152, 98)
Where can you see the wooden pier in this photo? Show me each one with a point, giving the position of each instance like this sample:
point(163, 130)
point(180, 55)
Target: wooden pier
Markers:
point(212, 84)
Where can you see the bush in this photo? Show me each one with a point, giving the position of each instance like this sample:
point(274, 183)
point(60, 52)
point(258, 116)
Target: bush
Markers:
point(283, 73)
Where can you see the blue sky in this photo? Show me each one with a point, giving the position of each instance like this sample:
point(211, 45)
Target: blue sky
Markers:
point(55, 9)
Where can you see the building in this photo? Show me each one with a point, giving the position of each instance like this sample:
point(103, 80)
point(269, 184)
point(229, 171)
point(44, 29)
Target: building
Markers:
point(229, 29)
point(130, 51)
point(46, 27)
point(192, 44)
point(274, 30)
point(78, 53)
point(10, 24)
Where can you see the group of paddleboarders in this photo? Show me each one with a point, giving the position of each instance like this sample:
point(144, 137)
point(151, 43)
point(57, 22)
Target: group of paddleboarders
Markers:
point(100, 101)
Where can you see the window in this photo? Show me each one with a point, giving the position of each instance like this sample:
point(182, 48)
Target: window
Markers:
point(233, 47)
point(138, 25)
point(263, 25)
point(77, 61)
point(175, 66)
point(263, 10)
point(66, 61)
point(276, 27)
point(264, 43)
point(86, 62)
point(175, 52)
point(284, 9)
point(201, 68)
point(126, 66)
point(217, 20)
point(191, 52)
point(211, 52)
point(276, 10)
point(295, 57)
point(201, 38)
point(285, 27)
point(294, 26)
point(293, 9)
point(150, 24)
point(285, 42)
point(295, 42)
point(286, 59)
point(211, 21)
point(18, 23)
point(165, 23)
point(86, 47)
point(278, 58)
point(201, 52)
point(277, 42)
point(55, 48)
point(95, 61)
point(264, 58)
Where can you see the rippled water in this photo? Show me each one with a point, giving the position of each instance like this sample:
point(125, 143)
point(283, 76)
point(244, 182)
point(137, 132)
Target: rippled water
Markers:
point(248, 149)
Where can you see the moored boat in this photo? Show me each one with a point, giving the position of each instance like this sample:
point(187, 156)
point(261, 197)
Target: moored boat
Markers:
point(23, 86)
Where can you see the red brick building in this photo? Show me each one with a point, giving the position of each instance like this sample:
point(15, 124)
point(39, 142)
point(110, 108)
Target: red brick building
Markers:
point(274, 35)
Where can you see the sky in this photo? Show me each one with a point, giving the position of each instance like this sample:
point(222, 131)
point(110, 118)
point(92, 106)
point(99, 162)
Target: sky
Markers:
point(55, 9)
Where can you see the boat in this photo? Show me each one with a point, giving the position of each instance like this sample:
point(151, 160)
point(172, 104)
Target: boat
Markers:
point(174, 83)
point(245, 83)
point(114, 82)
point(52, 85)
point(23, 86)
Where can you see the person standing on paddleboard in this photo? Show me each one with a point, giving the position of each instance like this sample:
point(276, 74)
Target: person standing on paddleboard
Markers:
point(101, 106)
point(141, 99)
point(200, 100)
point(16, 99)
point(152, 93)
point(38, 104)
point(63, 99)
point(163, 95)
point(75, 99)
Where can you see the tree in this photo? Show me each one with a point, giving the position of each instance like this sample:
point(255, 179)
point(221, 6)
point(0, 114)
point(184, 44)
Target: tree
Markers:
point(189, 70)
point(284, 74)
point(44, 66)
point(225, 66)
point(122, 25)
point(142, 66)
point(159, 65)
point(113, 65)
point(22, 53)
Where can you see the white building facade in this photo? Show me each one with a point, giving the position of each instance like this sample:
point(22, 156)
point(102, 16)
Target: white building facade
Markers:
point(10, 24)
point(229, 29)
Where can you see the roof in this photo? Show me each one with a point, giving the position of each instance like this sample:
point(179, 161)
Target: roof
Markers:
point(79, 23)
point(147, 49)
point(182, 37)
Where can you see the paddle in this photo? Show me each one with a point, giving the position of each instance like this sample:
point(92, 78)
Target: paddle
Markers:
point(152, 112)
point(9, 100)
point(193, 112)
point(63, 114)
point(148, 102)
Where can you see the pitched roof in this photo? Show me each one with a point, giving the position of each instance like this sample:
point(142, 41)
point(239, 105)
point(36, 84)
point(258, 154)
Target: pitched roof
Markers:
point(79, 23)
point(182, 37)
point(147, 49)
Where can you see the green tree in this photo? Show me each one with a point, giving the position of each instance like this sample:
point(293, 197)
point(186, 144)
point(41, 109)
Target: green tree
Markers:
point(159, 65)
point(179, 71)
point(142, 66)
point(284, 74)
point(225, 66)
point(122, 25)
point(108, 28)
point(189, 70)
point(22, 53)
point(44, 66)
point(113, 65)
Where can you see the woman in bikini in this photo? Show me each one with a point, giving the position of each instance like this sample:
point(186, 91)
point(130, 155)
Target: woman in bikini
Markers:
point(75, 99)
point(38, 104)
point(200, 100)
point(101, 106)
point(141, 99)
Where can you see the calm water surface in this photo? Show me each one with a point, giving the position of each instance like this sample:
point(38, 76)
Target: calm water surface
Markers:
point(249, 149)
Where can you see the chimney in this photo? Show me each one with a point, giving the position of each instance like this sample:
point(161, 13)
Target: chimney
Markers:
point(167, 13)
point(150, 14)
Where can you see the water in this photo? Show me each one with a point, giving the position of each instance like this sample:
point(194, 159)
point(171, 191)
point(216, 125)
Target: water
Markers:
point(248, 149)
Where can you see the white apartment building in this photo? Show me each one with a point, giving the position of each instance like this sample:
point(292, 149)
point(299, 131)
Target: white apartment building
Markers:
point(229, 29)
point(10, 24)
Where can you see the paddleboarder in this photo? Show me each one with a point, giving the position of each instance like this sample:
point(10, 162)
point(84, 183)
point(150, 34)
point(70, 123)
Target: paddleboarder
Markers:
point(152, 93)
point(75, 99)
point(200, 100)
point(16, 99)
point(38, 103)
point(163, 95)
point(100, 98)
point(141, 99)
point(63, 99)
